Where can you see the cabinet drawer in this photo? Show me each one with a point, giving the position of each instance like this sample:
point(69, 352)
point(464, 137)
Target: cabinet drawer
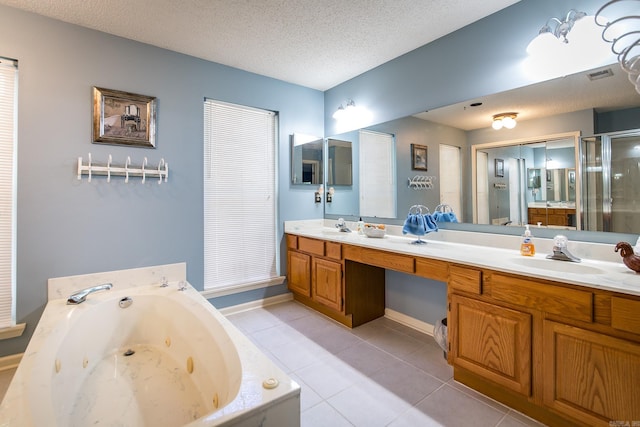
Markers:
point(312, 246)
point(292, 241)
point(391, 261)
point(432, 269)
point(333, 250)
point(625, 314)
point(465, 279)
point(573, 303)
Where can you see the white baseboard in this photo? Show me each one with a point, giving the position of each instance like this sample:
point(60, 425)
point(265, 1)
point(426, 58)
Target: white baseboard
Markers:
point(10, 362)
point(411, 322)
point(256, 304)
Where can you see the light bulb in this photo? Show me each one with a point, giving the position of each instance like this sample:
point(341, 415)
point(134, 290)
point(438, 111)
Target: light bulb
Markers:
point(509, 122)
point(497, 124)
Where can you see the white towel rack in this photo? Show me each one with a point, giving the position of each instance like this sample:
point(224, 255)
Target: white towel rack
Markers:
point(108, 169)
point(421, 182)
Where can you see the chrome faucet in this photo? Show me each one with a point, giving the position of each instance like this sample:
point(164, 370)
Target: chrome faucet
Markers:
point(560, 251)
point(79, 297)
point(342, 226)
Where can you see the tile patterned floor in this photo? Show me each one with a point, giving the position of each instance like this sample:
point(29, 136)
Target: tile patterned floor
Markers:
point(379, 374)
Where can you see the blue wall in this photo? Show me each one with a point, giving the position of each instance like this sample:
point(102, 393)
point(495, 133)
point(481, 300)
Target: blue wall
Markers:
point(67, 227)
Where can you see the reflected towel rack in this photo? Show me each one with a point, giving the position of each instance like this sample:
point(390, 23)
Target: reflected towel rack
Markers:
point(421, 182)
point(108, 169)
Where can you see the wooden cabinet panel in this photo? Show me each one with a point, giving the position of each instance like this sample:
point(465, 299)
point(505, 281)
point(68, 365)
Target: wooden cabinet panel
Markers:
point(327, 283)
point(299, 273)
point(625, 314)
point(312, 246)
point(574, 303)
point(590, 376)
point(292, 241)
point(389, 260)
point(333, 250)
point(432, 269)
point(492, 341)
point(465, 279)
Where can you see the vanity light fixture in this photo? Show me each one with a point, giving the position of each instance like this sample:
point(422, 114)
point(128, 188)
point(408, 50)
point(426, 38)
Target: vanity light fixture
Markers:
point(506, 120)
point(345, 112)
point(555, 32)
point(566, 46)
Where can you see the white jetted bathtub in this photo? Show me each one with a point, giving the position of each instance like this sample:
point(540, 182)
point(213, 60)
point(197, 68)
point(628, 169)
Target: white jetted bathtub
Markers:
point(144, 355)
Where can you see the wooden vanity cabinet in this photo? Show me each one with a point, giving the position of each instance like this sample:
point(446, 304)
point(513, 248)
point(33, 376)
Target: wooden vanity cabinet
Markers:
point(321, 277)
point(565, 355)
point(327, 283)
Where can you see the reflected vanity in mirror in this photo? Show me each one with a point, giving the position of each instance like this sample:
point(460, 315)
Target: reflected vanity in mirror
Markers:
point(307, 159)
point(555, 185)
point(534, 182)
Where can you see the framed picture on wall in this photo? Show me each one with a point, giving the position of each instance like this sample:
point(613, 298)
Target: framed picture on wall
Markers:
point(123, 118)
point(499, 165)
point(418, 157)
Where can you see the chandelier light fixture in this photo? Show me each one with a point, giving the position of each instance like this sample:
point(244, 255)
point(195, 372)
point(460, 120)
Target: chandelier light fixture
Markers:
point(504, 120)
point(623, 33)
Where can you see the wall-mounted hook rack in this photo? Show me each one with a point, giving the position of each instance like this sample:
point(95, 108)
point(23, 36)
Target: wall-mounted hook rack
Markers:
point(500, 185)
point(108, 169)
point(421, 182)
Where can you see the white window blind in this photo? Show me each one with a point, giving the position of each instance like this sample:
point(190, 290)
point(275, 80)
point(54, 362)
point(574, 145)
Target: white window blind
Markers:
point(8, 136)
point(377, 175)
point(239, 195)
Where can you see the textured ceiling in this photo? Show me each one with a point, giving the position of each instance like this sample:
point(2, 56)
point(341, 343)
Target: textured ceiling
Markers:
point(313, 43)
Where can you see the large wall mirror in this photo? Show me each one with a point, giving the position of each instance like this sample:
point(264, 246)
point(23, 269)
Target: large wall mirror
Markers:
point(542, 177)
point(307, 159)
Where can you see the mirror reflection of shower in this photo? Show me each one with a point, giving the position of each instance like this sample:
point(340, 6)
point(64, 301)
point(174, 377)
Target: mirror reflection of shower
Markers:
point(610, 166)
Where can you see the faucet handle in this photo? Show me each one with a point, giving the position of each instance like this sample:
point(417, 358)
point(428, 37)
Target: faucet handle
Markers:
point(560, 241)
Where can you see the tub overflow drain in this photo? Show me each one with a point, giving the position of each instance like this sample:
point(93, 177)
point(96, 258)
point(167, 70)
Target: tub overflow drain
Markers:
point(129, 352)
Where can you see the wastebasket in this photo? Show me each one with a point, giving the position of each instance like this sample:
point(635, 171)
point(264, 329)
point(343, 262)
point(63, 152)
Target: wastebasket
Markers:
point(440, 335)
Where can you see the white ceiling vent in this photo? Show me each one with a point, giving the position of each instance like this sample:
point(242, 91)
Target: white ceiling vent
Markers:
point(601, 74)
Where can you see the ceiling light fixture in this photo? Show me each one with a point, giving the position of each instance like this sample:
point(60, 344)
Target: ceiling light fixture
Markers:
point(506, 120)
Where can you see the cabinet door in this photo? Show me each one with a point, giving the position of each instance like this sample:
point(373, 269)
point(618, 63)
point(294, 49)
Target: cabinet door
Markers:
point(491, 341)
point(590, 376)
point(327, 283)
point(299, 268)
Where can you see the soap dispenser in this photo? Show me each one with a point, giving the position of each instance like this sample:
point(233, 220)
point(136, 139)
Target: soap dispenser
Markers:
point(360, 226)
point(527, 248)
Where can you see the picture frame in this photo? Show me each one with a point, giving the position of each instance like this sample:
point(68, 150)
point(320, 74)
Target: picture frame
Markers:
point(499, 166)
point(419, 157)
point(123, 118)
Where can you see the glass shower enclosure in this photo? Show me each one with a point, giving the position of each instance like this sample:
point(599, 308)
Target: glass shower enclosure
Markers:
point(610, 171)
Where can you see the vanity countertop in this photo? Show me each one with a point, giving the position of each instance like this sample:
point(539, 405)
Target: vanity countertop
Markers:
point(601, 267)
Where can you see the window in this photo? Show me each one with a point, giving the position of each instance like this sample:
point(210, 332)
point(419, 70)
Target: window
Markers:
point(8, 137)
point(240, 248)
point(377, 174)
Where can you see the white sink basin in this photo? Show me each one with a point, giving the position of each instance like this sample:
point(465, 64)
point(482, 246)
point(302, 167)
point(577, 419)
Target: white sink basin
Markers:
point(557, 266)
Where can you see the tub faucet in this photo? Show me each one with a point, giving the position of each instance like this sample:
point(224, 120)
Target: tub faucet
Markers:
point(79, 297)
point(560, 251)
point(342, 226)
